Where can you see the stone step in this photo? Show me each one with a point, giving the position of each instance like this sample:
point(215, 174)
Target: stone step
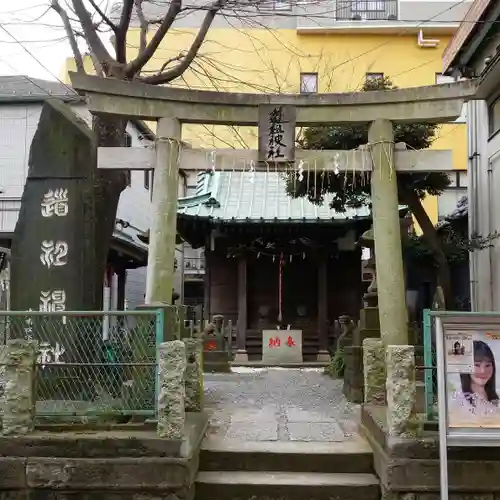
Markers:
point(258, 363)
point(231, 485)
point(352, 456)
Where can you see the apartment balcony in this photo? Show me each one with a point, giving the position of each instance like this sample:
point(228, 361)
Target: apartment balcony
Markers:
point(367, 10)
point(381, 16)
point(9, 213)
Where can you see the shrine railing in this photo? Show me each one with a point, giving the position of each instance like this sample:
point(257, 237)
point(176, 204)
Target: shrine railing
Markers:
point(90, 363)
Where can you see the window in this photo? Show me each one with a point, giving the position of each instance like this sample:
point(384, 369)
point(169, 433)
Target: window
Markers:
point(374, 77)
point(147, 178)
point(308, 83)
point(448, 201)
point(449, 198)
point(494, 117)
point(463, 180)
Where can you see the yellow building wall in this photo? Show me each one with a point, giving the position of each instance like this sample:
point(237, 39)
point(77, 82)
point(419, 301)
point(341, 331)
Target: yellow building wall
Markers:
point(70, 65)
point(267, 60)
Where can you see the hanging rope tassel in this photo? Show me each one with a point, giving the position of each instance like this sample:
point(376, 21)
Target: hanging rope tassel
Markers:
point(280, 290)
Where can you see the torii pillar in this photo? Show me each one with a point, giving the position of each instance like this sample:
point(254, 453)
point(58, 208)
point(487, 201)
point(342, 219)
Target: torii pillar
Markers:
point(161, 254)
point(387, 235)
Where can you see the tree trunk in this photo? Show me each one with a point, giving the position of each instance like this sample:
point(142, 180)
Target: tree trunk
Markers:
point(431, 237)
point(108, 185)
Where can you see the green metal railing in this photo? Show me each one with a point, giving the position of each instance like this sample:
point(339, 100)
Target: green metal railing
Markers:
point(430, 380)
point(91, 362)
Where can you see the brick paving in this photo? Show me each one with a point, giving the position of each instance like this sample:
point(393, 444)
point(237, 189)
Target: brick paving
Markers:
point(273, 404)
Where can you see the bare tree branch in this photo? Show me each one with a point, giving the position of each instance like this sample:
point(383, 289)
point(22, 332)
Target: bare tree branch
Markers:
point(92, 38)
point(97, 65)
point(174, 73)
point(121, 31)
point(104, 17)
point(138, 63)
point(168, 62)
point(95, 62)
point(143, 40)
point(80, 67)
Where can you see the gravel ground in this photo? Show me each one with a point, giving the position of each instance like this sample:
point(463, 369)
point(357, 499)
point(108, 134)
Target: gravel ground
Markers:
point(272, 404)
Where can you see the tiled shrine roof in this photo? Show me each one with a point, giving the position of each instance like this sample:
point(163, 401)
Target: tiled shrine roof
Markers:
point(256, 197)
point(24, 88)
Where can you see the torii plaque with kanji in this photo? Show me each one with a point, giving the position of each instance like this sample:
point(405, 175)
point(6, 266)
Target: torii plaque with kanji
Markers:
point(277, 133)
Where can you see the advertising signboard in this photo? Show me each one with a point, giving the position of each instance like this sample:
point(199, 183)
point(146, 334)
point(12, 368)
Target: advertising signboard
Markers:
point(472, 379)
point(468, 376)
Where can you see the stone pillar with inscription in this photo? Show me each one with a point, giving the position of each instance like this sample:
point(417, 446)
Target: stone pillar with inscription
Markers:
point(50, 257)
point(53, 248)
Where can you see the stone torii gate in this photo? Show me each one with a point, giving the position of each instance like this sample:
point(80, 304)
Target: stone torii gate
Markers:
point(277, 115)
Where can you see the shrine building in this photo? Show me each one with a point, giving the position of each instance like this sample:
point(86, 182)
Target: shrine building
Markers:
point(273, 260)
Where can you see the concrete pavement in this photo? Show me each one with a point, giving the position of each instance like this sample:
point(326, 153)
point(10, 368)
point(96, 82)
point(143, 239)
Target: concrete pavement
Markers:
point(273, 404)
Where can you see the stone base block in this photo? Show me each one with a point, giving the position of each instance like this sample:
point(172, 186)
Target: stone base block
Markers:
point(241, 356)
point(353, 394)
point(323, 356)
point(353, 377)
point(111, 463)
point(42, 494)
point(171, 329)
point(365, 333)
point(369, 318)
point(370, 299)
point(216, 367)
point(408, 468)
point(216, 362)
point(353, 374)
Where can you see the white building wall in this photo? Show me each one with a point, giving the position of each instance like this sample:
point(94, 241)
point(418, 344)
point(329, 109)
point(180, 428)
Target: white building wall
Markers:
point(18, 124)
point(484, 207)
point(490, 259)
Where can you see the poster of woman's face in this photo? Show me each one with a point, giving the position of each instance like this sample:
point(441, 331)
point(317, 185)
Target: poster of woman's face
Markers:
point(472, 378)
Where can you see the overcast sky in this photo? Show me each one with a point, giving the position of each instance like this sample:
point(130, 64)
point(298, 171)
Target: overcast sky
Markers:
point(40, 32)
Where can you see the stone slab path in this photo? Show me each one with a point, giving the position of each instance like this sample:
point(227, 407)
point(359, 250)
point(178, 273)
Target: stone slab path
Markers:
point(273, 404)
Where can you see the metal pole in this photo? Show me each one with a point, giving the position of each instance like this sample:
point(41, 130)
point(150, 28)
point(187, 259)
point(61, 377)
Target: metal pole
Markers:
point(442, 408)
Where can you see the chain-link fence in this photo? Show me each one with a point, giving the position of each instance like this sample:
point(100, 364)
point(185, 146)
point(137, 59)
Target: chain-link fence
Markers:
point(91, 363)
point(430, 362)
